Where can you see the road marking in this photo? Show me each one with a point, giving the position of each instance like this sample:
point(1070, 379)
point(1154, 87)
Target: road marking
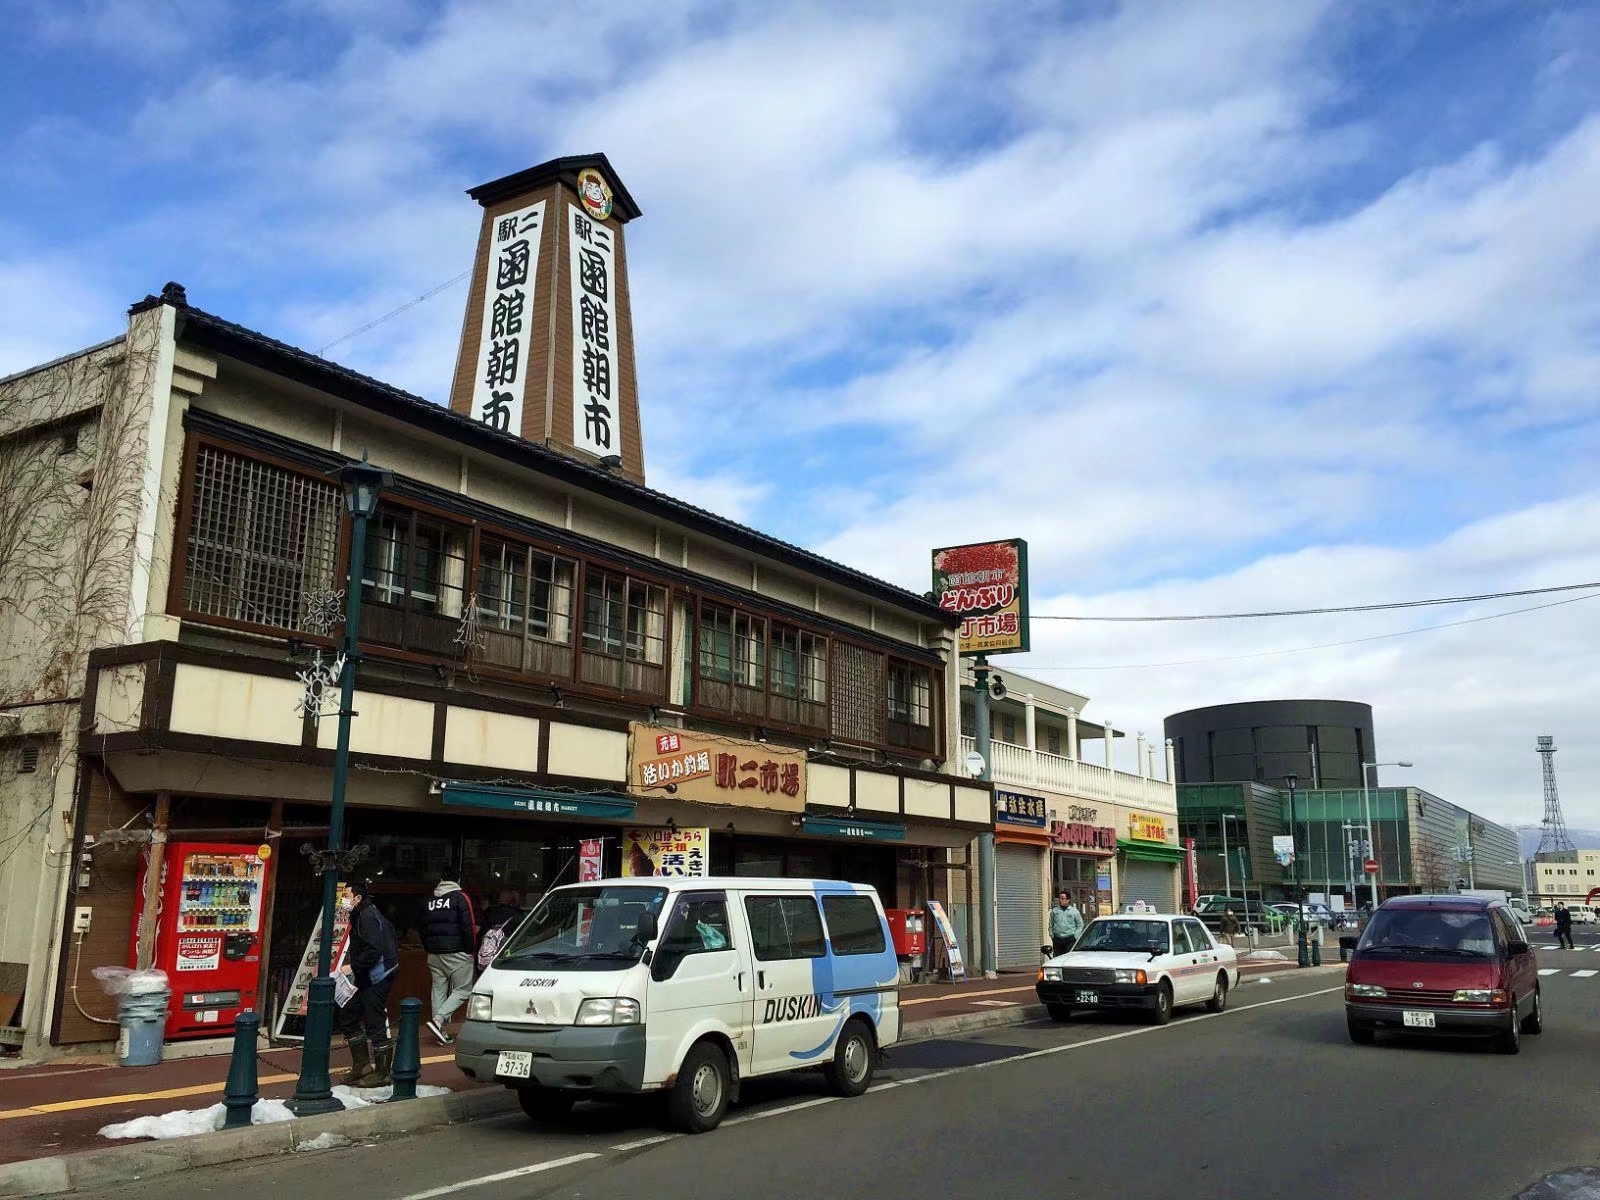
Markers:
point(501, 1176)
point(1549, 947)
point(1549, 970)
point(198, 1089)
point(649, 1141)
point(1584, 974)
point(995, 1003)
point(966, 996)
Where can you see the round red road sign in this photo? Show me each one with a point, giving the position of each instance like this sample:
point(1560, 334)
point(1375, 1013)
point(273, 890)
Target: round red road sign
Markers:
point(1370, 866)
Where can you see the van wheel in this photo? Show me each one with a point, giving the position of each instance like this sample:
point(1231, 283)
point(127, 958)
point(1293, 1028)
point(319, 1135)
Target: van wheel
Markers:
point(1534, 1021)
point(699, 1098)
point(1510, 1042)
point(1163, 1009)
point(854, 1060)
point(1219, 997)
point(545, 1104)
point(1360, 1034)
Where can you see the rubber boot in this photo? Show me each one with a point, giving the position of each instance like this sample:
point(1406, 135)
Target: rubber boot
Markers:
point(383, 1066)
point(360, 1062)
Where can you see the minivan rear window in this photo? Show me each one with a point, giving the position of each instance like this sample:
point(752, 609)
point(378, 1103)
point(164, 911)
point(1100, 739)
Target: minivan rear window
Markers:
point(853, 924)
point(1424, 933)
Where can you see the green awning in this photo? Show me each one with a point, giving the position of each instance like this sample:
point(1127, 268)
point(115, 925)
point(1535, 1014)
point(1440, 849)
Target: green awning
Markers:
point(539, 801)
point(1149, 851)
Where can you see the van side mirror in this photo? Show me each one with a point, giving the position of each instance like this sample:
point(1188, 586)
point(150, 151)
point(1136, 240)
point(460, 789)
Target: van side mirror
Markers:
point(647, 929)
point(1047, 951)
point(1515, 948)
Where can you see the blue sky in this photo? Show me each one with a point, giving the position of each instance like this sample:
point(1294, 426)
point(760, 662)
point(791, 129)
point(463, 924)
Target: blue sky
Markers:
point(1222, 305)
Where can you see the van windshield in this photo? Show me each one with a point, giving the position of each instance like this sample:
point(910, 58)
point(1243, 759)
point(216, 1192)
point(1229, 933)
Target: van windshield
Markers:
point(583, 929)
point(1423, 933)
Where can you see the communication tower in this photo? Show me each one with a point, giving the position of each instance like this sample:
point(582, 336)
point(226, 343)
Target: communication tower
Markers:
point(1554, 844)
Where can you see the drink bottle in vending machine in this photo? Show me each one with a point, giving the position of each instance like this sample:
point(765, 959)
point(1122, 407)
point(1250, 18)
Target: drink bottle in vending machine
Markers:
point(208, 932)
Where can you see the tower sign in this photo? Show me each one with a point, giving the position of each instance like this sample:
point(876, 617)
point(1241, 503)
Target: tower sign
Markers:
point(547, 344)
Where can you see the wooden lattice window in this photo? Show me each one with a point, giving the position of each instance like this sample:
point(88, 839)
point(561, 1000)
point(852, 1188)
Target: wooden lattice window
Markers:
point(260, 538)
point(858, 694)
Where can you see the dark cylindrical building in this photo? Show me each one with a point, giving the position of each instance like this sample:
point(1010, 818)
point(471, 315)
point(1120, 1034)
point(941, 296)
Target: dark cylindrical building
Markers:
point(1322, 742)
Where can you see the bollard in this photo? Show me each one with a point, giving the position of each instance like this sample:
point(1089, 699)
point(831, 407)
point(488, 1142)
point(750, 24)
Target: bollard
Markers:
point(408, 1050)
point(1316, 952)
point(239, 1095)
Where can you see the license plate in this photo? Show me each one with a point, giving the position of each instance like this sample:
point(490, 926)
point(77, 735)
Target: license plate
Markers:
point(1088, 997)
point(1417, 1020)
point(518, 1064)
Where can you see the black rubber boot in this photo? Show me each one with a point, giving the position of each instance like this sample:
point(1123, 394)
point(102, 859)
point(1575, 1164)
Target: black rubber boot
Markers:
point(383, 1066)
point(360, 1062)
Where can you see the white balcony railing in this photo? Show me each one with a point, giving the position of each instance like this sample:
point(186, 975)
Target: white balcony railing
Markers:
point(1012, 764)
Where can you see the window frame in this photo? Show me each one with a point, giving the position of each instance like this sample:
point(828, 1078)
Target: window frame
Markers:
point(882, 946)
point(779, 899)
point(769, 623)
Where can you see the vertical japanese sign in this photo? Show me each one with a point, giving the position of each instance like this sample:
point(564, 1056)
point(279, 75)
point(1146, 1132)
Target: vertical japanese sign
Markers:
point(1194, 873)
point(947, 935)
point(986, 585)
point(590, 860)
point(668, 851)
point(507, 319)
point(595, 380)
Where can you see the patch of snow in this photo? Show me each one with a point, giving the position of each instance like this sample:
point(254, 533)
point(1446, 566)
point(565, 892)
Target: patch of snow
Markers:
point(325, 1140)
point(1267, 956)
point(1263, 981)
point(187, 1122)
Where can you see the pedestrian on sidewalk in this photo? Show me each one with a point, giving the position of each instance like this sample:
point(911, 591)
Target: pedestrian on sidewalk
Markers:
point(1564, 926)
point(500, 921)
point(1230, 925)
point(450, 936)
point(1066, 923)
point(371, 959)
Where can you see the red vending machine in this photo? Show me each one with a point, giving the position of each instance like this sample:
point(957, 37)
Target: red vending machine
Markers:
point(208, 933)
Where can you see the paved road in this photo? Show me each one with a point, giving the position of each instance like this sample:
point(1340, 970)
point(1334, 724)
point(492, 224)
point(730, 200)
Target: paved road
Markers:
point(1265, 1100)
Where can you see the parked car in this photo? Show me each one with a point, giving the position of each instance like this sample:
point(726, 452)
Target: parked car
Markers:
point(1251, 912)
point(1583, 914)
point(684, 986)
point(1150, 963)
point(1442, 965)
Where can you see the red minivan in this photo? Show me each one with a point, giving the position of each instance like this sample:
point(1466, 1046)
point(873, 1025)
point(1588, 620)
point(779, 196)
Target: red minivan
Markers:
point(1443, 965)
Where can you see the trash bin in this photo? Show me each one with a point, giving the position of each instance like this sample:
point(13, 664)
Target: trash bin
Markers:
point(144, 1026)
point(141, 1011)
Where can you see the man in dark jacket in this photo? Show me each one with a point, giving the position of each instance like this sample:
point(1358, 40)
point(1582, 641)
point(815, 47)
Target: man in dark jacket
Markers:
point(500, 918)
point(450, 936)
point(371, 958)
point(1564, 926)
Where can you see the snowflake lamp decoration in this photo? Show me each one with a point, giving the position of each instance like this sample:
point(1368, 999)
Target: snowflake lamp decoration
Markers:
point(321, 683)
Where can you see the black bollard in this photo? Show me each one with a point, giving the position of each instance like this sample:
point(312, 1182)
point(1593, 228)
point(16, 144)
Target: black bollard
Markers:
point(408, 1050)
point(239, 1095)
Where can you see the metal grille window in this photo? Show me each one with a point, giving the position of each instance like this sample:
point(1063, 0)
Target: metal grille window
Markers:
point(858, 691)
point(624, 633)
point(524, 599)
point(260, 538)
point(910, 695)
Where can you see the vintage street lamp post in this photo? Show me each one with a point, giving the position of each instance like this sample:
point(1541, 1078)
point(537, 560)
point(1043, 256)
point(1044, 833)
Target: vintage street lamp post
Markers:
point(1304, 955)
point(313, 1092)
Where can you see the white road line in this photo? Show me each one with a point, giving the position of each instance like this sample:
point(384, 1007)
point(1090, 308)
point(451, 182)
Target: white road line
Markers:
point(1584, 974)
point(1549, 970)
point(649, 1141)
point(1549, 947)
point(501, 1176)
point(778, 1112)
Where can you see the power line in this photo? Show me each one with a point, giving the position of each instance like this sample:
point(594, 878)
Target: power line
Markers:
point(1377, 637)
point(386, 316)
point(1346, 608)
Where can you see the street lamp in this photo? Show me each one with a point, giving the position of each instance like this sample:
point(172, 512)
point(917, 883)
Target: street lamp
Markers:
point(1366, 810)
point(1304, 951)
point(313, 1091)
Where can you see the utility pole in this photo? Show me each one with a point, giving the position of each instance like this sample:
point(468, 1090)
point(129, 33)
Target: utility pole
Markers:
point(986, 882)
point(1304, 951)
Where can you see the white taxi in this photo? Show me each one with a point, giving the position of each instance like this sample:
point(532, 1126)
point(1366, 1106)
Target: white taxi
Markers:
point(1151, 962)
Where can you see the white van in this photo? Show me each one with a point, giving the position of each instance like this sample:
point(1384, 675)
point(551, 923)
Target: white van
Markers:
point(685, 986)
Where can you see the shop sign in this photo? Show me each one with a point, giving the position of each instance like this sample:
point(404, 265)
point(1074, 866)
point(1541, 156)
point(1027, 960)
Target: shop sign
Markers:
point(877, 831)
point(508, 318)
point(596, 381)
point(665, 851)
point(1283, 848)
point(986, 585)
point(536, 801)
point(708, 769)
point(1079, 835)
point(1143, 828)
point(591, 857)
point(1016, 808)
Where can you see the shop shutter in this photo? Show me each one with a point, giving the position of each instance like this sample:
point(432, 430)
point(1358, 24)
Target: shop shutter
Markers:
point(1154, 883)
point(1021, 904)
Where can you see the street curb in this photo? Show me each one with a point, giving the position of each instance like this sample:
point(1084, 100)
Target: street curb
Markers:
point(141, 1160)
point(933, 1027)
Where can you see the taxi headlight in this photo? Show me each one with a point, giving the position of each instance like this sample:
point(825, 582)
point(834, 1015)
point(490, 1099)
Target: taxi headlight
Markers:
point(619, 1011)
point(1367, 991)
point(1053, 973)
point(1130, 976)
point(480, 1007)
